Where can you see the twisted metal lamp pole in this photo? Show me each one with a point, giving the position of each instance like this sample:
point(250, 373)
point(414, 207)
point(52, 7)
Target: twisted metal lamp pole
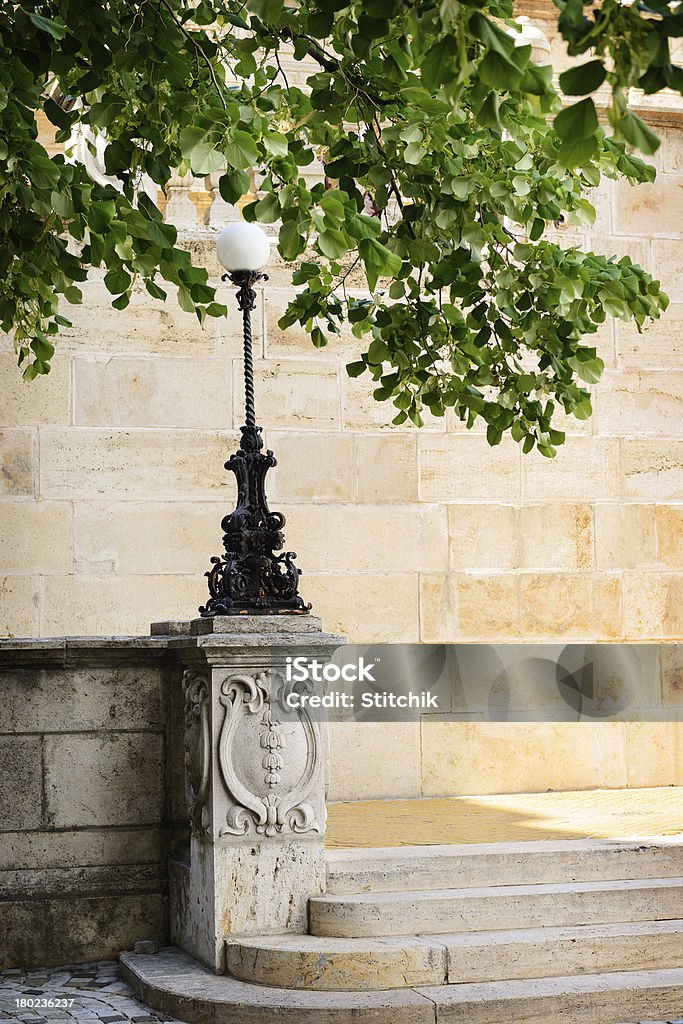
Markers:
point(251, 578)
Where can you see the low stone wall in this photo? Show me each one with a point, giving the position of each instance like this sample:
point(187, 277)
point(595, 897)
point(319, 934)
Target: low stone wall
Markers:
point(91, 797)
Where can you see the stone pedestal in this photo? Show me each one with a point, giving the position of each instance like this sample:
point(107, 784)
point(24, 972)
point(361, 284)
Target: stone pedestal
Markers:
point(255, 779)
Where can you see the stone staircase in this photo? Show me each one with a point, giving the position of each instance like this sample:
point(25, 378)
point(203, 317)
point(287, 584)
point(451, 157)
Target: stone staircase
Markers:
point(567, 931)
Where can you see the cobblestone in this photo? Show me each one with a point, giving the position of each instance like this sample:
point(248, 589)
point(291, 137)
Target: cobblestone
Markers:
point(96, 993)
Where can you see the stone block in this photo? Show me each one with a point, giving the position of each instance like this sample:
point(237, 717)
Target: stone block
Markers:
point(652, 469)
point(35, 537)
point(639, 249)
point(581, 605)
point(461, 758)
point(112, 778)
point(667, 268)
point(387, 468)
point(659, 344)
point(291, 394)
point(484, 536)
point(311, 466)
point(360, 411)
point(653, 605)
point(455, 468)
point(366, 607)
point(357, 538)
point(556, 536)
point(629, 403)
point(434, 539)
point(625, 536)
point(21, 780)
point(48, 850)
point(148, 326)
point(123, 605)
point(671, 658)
point(88, 699)
point(17, 460)
point(669, 520)
point(638, 211)
point(468, 607)
point(152, 392)
point(57, 931)
point(585, 469)
point(374, 761)
point(43, 400)
point(653, 754)
point(150, 464)
point(126, 537)
point(19, 606)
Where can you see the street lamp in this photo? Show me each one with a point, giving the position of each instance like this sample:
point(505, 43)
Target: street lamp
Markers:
point(251, 579)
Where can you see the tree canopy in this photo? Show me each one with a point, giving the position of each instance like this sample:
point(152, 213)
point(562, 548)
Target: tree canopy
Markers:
point(450, 151)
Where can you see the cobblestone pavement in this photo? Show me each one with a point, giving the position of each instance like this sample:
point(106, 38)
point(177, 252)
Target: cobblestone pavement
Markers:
point(95, 993)
point(85, 993)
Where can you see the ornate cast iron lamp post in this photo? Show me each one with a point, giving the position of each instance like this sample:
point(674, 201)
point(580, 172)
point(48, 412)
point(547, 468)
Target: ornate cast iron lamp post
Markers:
point(250, 578)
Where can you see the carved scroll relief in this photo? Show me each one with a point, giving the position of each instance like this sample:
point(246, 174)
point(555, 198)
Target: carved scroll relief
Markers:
point(269, 766)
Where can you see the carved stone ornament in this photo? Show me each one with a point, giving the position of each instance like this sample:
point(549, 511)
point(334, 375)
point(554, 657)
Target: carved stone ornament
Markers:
point(197, 748)
point(269, 767)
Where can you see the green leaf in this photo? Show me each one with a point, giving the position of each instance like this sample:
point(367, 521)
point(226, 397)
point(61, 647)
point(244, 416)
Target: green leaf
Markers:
point(117, 281)
point(276, 143)
point(355, 369)
point(333, 243)
point(584, 79)
point(579, 121)
point(233, 185)
point(241, 151)
point(437, 65)
point(638, 134)
point(53, 28)
point(378, 260)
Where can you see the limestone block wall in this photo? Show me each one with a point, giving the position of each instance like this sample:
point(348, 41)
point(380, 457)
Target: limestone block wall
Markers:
point(91, 799)
point(112, 488)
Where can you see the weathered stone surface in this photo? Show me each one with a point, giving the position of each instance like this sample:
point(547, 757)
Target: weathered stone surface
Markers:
point(134, 538)
point(109, 779)
point(433, 912)
point(585, 606)
point(314, 964)
point(96, 463)
point(171, 392)
point(89, 699)
point(292, 394)
point(19, 606)
point(653, 605)
point(625, 536)
point(35, 537)
point(47, 401)
point(387, 469)
point(639, 403)
point(371, 607)
point(658, 345)
point(76, 930)
point(47, 850)
point(354, 746)
point(489, 757)
point(21, 787)
point(17, 460)
point(312, 467)
point(638, 210)
point(480, 864)
point(454, 468)
point(182, 987)
point(458, 607)
point(586, 470)
point(93, 605)
point(652, 469)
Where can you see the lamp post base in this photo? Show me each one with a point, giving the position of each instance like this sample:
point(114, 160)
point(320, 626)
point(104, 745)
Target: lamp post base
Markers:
point(251, 579)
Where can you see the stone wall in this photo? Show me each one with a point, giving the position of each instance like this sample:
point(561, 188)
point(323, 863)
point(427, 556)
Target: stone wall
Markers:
point(112, 487)
point(91, 799)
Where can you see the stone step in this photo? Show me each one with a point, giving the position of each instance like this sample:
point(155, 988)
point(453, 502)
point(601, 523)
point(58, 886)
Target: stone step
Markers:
point(479, 864)
point(173, 983)
point(313, 963)
point(441, 911)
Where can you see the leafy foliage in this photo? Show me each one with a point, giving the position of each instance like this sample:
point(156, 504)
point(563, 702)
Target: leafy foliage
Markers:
point(450, 152)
